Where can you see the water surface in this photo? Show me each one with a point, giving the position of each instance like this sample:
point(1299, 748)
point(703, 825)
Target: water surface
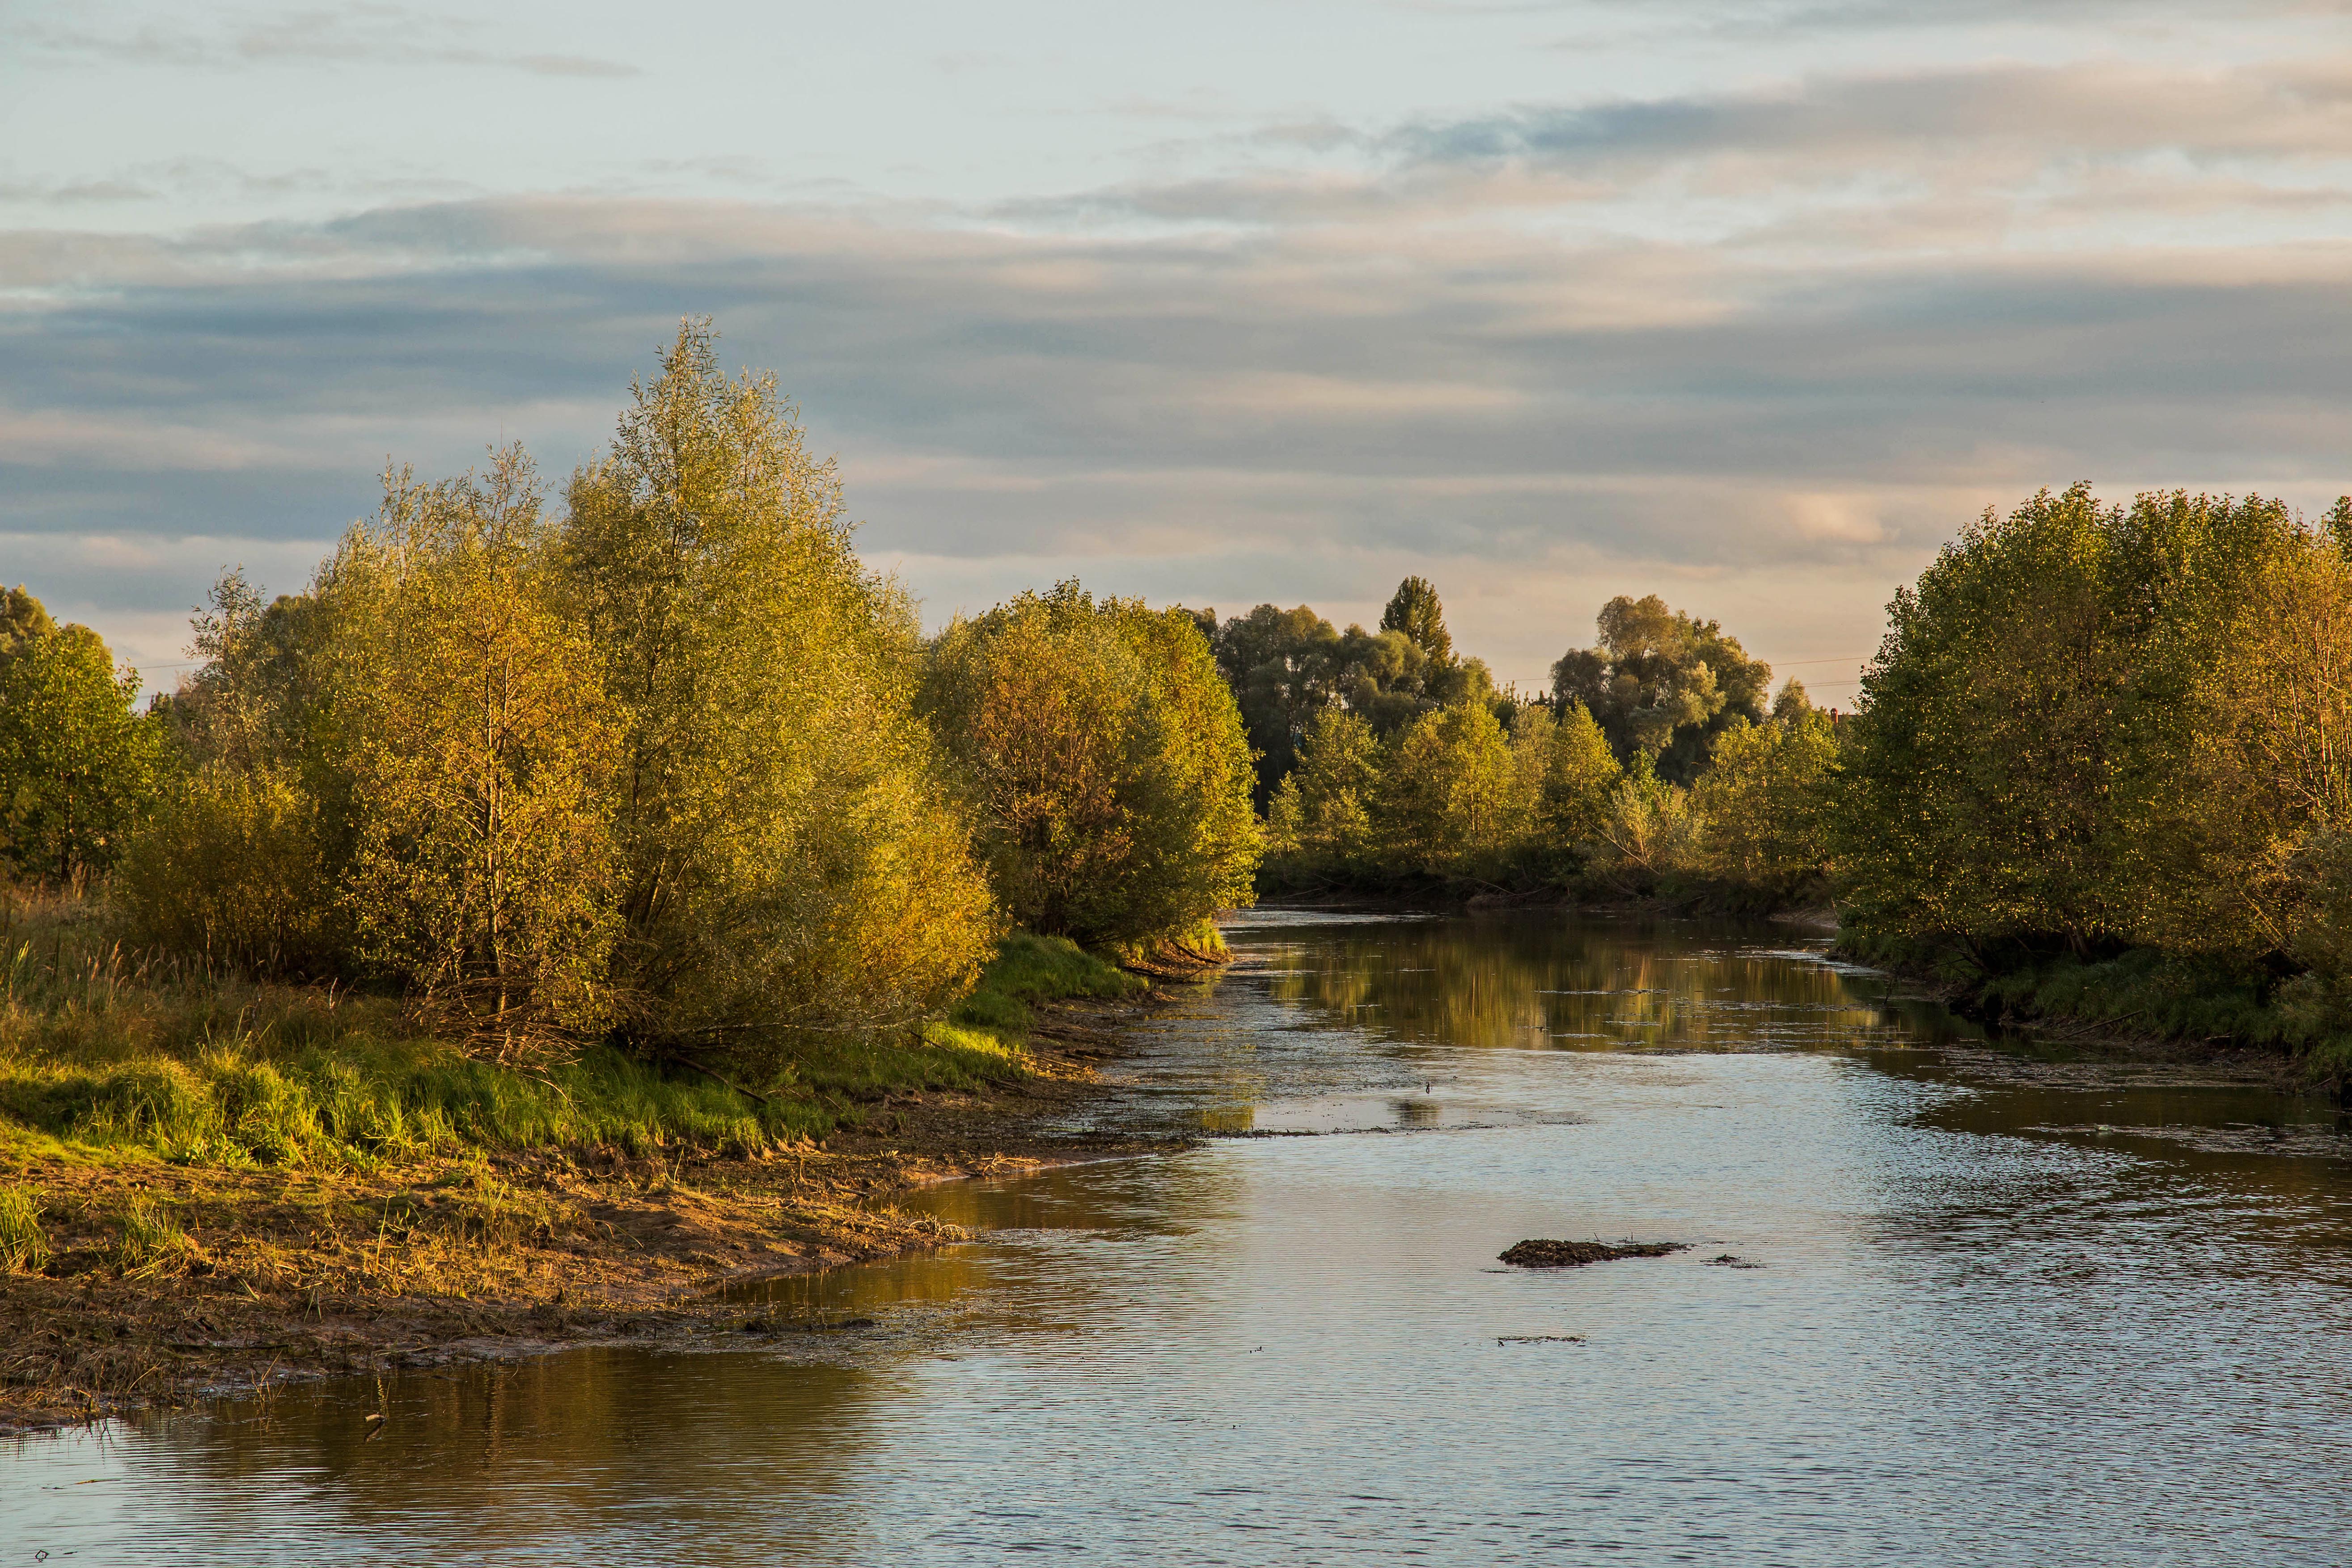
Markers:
point(2010, 1308)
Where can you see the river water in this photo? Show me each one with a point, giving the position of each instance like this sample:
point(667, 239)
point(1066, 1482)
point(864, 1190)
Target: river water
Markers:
point(1987, 1307)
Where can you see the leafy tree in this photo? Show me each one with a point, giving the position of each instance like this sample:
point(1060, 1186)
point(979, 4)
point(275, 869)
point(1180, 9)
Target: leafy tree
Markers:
point(1578, 776)
point(1108, 760)
point(482, 759)
point(77, 767)
point(242, 860)
point(1761, 804)
point(1284, 668)
point(1321, 817)
point(1649, 837)
point(1414, 610)
point(24, 623)
point(1662, 684)
point(791, 866)
point(2093, 725)
point(1452, 798)
point(1979, 795)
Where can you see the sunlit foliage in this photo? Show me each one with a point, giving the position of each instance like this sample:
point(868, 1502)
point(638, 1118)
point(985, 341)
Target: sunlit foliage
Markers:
point(1108, 762)
point(78, 765)
point(1661, 685)
point(790, 863)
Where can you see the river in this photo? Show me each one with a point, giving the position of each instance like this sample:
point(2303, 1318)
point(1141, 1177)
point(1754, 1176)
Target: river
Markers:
point(1944, 1302)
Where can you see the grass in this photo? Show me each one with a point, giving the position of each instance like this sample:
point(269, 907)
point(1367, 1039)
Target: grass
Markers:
point(23, 1245)
point(149, 1242)
point(2140, 991)
point(103, 1050)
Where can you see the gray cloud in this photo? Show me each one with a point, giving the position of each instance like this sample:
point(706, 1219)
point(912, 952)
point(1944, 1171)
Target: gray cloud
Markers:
point(1762, 349)
point(356, 35)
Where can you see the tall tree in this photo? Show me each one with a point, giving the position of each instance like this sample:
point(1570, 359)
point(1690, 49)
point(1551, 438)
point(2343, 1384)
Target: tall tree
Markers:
point(1416, 610)
point(77, 767)
point(791, 863)
point(1662, 684)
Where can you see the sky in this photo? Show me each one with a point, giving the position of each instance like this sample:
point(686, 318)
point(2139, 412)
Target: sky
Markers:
point(1752, 306)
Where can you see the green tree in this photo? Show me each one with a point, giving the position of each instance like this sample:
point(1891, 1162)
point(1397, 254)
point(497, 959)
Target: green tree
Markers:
point(1452, 800)
point(1662, 684)
point(1107, 761)
point(77, 767)
point(243, 859)
point(1762, 805)
point(1283, 667)
point(1578, 775)
point(1320, 820)
point(791, 866)
point(1416, 610)
point(482, 758)
point(1977, 801)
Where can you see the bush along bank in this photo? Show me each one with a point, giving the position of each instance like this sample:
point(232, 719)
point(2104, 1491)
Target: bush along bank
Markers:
point(205, 1181)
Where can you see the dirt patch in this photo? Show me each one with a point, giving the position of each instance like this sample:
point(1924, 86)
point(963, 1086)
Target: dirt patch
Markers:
point(165, 1282)
point(1577, 1254)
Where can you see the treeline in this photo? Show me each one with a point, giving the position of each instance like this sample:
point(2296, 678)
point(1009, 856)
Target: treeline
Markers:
point(2100, 766)
point(654, 760)
point(1654, 766)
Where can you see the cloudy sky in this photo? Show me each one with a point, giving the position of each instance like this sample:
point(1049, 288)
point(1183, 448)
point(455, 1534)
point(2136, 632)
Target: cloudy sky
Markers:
point(1750, 305)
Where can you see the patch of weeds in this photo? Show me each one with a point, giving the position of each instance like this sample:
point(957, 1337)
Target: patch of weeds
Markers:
point(23, 1245)
point(149, 1242)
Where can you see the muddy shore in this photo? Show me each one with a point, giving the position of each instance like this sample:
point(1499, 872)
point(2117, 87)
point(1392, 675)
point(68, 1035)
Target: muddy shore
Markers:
point(297, 1273)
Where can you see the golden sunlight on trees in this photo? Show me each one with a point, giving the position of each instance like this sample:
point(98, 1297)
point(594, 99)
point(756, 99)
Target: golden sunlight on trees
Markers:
point(649, 769)
point(77, 767)
point(482, 755)
point(789, 861)
point(1108, 762)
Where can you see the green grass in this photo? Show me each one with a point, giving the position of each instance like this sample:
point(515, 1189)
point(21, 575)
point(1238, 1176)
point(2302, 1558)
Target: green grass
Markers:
point(1029, 969)
point(2140, 991)
point(101, 1050)
point(23, 1245)
point(149, 1242)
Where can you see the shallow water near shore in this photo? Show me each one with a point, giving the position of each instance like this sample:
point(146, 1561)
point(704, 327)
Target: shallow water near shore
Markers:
point(2007, 1306)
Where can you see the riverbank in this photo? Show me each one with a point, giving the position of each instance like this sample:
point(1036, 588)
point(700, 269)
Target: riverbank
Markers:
point(140, 1268)
point(2138, 1004)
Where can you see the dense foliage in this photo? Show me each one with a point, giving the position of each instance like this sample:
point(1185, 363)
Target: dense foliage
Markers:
point(1606, 789)
point(77, 767)
point(650, 768)
point(2098, 727)
point(1106, 762)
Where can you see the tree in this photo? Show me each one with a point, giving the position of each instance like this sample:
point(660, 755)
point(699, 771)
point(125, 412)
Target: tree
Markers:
point(1578, 775)
point(1283, 667)
point(1106, 761)
point(242, 860)
point(1662, 684)
point(1452, 800)
point(1414, 610)
point(482, 757)
point(1977, 800)
point(791, 865)
point(77, 767)
point(1761, 804)
point(1321, 817)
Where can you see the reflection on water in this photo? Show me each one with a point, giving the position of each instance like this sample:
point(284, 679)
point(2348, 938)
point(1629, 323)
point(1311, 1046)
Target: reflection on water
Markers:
point(1538, 984)
point(2012, 1309)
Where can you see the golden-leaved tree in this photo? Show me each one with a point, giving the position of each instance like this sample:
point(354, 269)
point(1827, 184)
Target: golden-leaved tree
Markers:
point(791, 863)
point(481, 754)
point(1108, 762)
